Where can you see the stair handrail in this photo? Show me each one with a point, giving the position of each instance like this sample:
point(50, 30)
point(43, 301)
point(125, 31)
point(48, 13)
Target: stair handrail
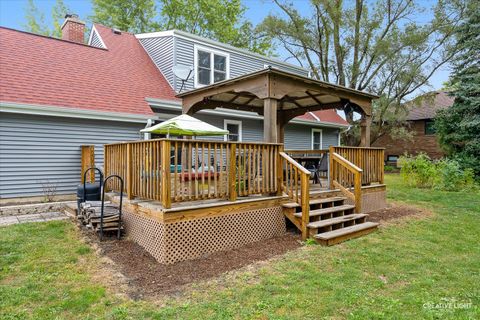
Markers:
point(356, 196)
point(304, 191)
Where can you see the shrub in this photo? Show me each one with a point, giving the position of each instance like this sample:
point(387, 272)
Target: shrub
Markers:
point(446, 174)
point(388, 168)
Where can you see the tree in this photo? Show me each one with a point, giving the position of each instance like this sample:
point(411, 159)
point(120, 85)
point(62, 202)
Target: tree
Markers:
point(36, 19)
point(221, 20)
point(129, 15)
point(59, 11)
point(458, 127)
point(372, 46)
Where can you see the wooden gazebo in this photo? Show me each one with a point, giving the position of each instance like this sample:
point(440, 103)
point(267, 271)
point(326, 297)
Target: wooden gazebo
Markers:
point(187, 198)
point(279, 96)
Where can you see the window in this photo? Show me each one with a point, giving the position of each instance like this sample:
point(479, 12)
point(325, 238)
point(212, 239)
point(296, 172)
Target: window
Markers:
point(430, 127)
point(234, 128)
point(316, 139)
point(392, 158)
point(210, 66)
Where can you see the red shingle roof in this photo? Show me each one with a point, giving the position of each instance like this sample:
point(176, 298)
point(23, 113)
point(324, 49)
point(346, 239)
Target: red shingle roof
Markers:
point(426, 106)
point(329, 115)
point(47, 71)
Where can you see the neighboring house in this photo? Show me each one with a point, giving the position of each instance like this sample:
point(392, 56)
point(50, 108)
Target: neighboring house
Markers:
point(59, 94)
point(420, 120)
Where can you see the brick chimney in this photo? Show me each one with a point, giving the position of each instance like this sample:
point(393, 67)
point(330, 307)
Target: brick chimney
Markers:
point(73, 28)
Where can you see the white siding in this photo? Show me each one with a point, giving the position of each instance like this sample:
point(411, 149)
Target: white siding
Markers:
point(96, 41)
point(171, 50)
point(161, 51)
point(34, 149)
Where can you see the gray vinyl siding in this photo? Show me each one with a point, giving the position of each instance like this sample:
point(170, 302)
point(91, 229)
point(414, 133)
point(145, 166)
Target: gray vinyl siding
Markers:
point(96, 41)
point(299, 137)
point(169, 51)
point(162, 53)
point(36, 149)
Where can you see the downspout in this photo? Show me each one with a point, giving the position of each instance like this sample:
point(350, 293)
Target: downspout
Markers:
point(148, 135)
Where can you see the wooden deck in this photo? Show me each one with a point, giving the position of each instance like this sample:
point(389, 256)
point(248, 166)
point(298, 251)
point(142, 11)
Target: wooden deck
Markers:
point(172, 175)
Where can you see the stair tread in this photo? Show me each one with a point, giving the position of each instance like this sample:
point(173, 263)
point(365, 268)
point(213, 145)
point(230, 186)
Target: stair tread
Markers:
point(332, 221)
point(345, 231)
point(314, 201)
point(320, 212)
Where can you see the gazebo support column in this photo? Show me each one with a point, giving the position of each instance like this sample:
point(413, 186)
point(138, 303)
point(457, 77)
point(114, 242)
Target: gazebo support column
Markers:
point(365, 130)
point(270, 133)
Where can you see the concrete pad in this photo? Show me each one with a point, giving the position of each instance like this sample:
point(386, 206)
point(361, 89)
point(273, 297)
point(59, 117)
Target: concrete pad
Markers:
point(48, 215)
point(57, 218)
point(31, 218)
point(5, 221)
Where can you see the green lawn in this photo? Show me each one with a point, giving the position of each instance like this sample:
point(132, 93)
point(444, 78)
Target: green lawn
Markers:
point(45, 273)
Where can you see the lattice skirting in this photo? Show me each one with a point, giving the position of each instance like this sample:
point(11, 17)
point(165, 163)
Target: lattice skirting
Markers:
point(173, 242)
point(372, 199)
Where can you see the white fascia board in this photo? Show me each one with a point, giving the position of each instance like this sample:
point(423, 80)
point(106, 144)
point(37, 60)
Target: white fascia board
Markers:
point(177, 106)
point(224, 46)
point(66, 112)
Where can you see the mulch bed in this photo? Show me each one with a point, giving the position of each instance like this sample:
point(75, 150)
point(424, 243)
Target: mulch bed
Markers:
point(394, 212)
point(147, 278)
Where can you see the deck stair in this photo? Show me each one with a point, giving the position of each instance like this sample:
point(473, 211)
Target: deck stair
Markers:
point(331, 221)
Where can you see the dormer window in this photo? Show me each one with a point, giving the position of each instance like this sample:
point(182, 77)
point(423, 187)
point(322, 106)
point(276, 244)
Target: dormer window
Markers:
point(210, 66)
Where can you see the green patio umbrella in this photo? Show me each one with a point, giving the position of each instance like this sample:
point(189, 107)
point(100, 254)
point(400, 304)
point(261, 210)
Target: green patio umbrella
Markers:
point(185, 125)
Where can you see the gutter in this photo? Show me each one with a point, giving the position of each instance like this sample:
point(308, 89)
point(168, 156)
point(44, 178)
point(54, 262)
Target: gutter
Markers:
point(67, 112)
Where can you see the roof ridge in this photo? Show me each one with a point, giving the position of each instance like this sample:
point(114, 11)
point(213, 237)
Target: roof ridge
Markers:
point(51, 38)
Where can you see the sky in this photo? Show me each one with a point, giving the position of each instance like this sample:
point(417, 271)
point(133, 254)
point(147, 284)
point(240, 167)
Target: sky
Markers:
point(12, 15)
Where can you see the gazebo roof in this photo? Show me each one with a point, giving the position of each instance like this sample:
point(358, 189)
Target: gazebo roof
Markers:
point(295, 94)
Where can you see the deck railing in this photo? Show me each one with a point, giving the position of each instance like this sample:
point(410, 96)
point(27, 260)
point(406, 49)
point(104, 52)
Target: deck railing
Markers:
point(171, 170)
point(345, 175)
point(296, 181)
point(370, 160)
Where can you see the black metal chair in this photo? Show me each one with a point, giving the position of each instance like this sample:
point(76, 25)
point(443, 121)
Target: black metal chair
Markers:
point(322, 168)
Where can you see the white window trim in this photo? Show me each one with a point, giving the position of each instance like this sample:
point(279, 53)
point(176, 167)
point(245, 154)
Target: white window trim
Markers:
point(196, 48)
point(321, 137)
point(237, 122)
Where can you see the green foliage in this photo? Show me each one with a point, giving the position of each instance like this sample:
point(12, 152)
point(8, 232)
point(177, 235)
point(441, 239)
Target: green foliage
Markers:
point(379, 46)
point(59, 11)
point(458, 127)
point(420, 171)
point(388, 168)
point(221, 20)
point(129, 15)
point(35, 19)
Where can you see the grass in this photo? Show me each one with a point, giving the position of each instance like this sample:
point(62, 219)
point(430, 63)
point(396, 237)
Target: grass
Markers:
point(45, 273)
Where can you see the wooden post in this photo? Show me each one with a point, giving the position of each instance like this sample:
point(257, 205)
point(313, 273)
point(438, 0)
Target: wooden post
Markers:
point(331, 150)
point(87, 161)
point(358, 192)
point(270, 120)
point(165, 171)
point(305, 202)
point(232, 176)
point(279, 171)
point(365, 130)
point(129, 180)
point(381, 166)
point(281, 133)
